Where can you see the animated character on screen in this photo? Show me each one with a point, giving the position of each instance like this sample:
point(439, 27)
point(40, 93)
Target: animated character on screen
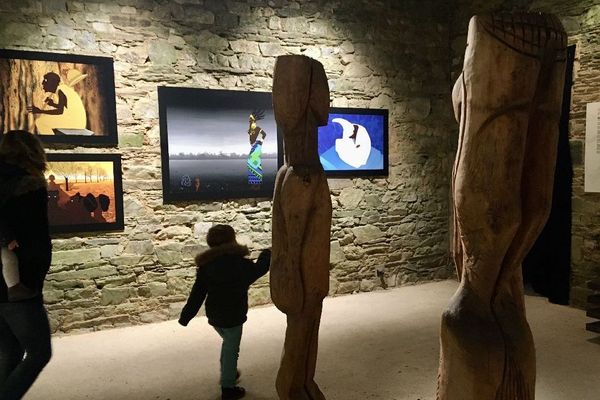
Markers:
point(352, 150)
point(254, 163)
point(65, 107)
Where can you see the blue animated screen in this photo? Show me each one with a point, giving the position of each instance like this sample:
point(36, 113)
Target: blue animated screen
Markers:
point(352, 142)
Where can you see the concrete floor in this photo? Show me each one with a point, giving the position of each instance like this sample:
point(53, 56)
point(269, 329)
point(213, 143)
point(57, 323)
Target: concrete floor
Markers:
point(379, 345)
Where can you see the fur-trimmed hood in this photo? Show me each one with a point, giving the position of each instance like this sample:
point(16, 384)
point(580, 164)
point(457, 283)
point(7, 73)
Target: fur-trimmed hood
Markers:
point(228, 249)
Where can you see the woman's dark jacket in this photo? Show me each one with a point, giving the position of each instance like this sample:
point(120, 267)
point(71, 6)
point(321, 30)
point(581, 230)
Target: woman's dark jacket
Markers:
point(24, 218)
point(223, 278)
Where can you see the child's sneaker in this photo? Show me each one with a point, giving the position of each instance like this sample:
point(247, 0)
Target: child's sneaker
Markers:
point(232, 393)
point(20, 292)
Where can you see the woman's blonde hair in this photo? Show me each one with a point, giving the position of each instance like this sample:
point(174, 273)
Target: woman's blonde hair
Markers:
point(24, 150)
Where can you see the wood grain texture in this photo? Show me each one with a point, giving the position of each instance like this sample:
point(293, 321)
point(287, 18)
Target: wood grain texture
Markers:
point(299, 274)
point(507, 102)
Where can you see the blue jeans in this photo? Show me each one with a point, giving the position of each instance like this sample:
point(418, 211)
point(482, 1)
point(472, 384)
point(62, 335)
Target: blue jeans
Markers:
point(230, 351)
point(24, 346)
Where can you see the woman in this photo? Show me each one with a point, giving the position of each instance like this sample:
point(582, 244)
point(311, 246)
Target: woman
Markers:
point(24, 329)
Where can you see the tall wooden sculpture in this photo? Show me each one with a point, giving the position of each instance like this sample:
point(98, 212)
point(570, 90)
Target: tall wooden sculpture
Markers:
point(508, 103)
point(301, 222)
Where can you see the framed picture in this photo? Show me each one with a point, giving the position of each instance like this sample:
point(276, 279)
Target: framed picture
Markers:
point(354, 142)
point(63, 98)
point(85, 192)
point(216, 144)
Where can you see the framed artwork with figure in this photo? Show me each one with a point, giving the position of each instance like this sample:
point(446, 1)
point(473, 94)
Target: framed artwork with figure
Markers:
point(354, 142)
point(85, 192)
point(62, 98)
point(217, 144)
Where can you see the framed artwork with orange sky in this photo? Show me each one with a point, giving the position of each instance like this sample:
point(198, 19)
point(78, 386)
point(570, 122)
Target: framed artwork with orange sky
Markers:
point(85, 192)
point(62, 98)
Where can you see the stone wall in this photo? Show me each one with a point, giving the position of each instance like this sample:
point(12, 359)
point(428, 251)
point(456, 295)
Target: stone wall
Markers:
point(378, 54)
point(581, 19)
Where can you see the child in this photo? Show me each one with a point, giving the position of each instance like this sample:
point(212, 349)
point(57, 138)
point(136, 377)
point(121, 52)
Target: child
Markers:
point(10, 264)
point(223, 278)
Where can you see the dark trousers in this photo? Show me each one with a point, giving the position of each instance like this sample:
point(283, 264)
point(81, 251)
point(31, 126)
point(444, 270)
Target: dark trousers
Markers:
point(24, 346)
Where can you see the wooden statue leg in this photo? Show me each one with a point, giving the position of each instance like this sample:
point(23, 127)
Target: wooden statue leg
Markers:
point(536, 195)
point(488, 208)
point(308, 206)
point(295, 379)
point(289, 204)
point(292, 372)
point(311, 363)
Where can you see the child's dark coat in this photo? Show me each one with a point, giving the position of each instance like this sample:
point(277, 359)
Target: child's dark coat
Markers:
point(223, 278)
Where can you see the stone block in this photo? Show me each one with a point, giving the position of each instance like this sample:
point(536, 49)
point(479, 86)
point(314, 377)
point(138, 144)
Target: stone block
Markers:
point(84, 274)
point(131, 140)
point(116, 281)
point(75, 6)
point(367, 233)
point(351, 197)
point(153, 289)
point(189, 272)
point(367, 285)
point(103, 27)
point(53, 296)
point(115, 295)
point(162, 52)
point(169, 254)
point(191, 250)
point(336, 254)
point(174, 231)
point(244, 46)
point(179, 219)
point(353, 252)
point(207, 39)
point(76, 294)
point(20, 34)
point(275, 23)
point(154, 316)
point(298, 25)
point(348, 287)
point(357, 70)
point(258, 296)
point(109, 251)
point(73, 257)
point(201, 229)
point(127, 259)
point(54, 6)
point(141, 247)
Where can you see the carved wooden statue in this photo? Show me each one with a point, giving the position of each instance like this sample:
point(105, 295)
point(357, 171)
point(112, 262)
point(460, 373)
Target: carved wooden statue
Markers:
point(508, 104)
point(301, 222)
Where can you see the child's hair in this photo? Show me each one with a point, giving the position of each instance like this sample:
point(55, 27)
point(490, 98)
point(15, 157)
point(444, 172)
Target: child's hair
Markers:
point(220, 234)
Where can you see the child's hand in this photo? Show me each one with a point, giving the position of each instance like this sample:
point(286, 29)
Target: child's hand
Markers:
point(13, 245)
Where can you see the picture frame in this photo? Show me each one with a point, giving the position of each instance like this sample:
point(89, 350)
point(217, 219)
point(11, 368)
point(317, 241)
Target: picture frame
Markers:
point(85, 192)
point(354, 142)
point(62, 98)
point(209, 148)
